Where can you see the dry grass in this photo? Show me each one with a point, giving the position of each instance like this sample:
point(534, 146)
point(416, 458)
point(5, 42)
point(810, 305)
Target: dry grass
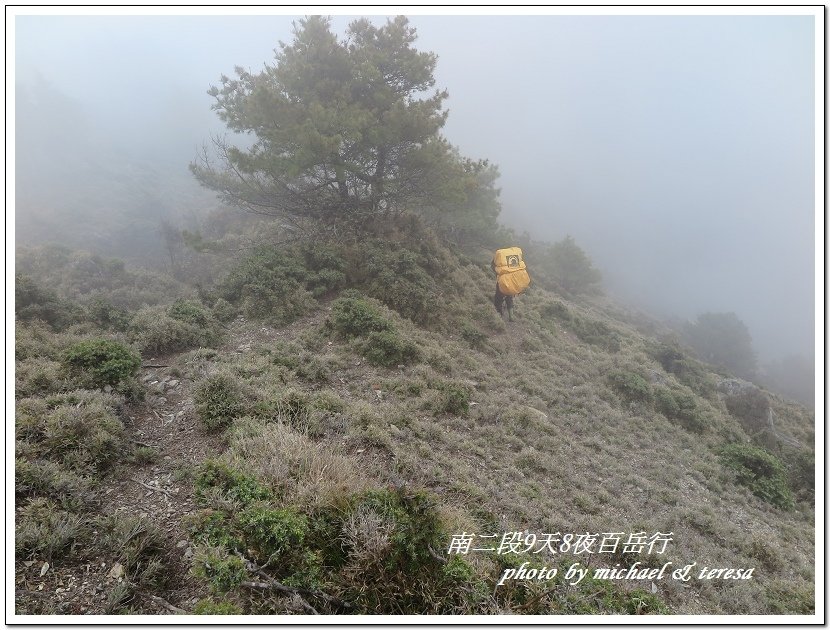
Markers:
point(305, 473)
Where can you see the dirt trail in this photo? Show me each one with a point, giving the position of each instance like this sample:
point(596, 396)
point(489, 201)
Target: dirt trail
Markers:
point(158, 488)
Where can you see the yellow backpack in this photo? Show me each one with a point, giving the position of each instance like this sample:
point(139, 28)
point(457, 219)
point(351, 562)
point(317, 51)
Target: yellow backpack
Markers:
point(511, 270)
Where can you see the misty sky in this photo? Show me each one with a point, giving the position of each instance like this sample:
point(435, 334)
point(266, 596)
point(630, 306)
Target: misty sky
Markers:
point(677, 150)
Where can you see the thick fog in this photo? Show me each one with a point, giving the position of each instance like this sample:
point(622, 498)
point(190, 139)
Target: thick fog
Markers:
point(677, 151)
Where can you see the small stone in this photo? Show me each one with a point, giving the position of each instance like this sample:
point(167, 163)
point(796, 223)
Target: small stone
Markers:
point(173, 383)
point(181, 544)
point(44, 569)
point(117, 571)
point(188, 553)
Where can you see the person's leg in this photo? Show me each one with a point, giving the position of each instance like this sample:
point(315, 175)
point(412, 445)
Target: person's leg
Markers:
point(509, 299)
point(498, 299)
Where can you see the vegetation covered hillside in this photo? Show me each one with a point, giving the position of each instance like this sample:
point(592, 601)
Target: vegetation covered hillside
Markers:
point(312, 432)
point(322, 412)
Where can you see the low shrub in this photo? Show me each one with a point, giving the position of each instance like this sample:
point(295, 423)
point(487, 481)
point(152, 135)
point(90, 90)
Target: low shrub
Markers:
point(269, 285)
point(43, 530)
point(139, 546)
point(79, 430)
point(215, 528)
point(750, 405)
point(223, 310)
point(473, 336)
point(38, 377)
point(402, 281)
point(272, 533)
point(234, 484)
point(218, 401)
point(107, 315)
point(761, 472)
point(455, 399)
point(325, 270)
point(687, 370)
point(784, 598)
point(190, 312)
point(596, 333)
point(100, 362)
point(801, 473)
point(354, 316)
point(222, 570)
point(154, 330)
point(388, 348)
point(34, 301)
point(144, 455)
point(208, 606)
point(556, 310)
point(630, 386)
point(47, 479)
point(680, 406)
point(389, 539)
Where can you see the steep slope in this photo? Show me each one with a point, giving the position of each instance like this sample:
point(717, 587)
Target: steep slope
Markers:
point(352, 425)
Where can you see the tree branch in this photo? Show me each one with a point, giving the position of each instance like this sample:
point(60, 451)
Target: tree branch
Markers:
point(273, 584)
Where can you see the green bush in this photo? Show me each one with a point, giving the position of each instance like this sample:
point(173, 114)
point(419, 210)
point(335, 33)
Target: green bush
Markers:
point(325, 270)
point(33, 301)
point(291, 405)
point(556, 310)
point(210, 607)
point(270, 532)
point(223, 571)
point(218, 401)
point(215, 528)
point(101, 362)
point(38, 377)
point(269, 285)
point(761, 472)
point(387, 348)
point(390, 538)
point(402, 280)
point(455, 399)
point(688, 371)
point(473, 335)
point(223, 310)
point(190, 312)
point(234, 484)
point(680, 406)
point(630, 386)
point(156, 331)
point(750, 405)
point(78, 430)
point(801, 468)
point(353, 316)
point(596, 333)
point(107, 315)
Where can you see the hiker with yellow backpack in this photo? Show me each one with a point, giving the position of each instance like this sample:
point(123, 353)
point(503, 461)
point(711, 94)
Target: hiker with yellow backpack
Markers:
point(511, 278)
